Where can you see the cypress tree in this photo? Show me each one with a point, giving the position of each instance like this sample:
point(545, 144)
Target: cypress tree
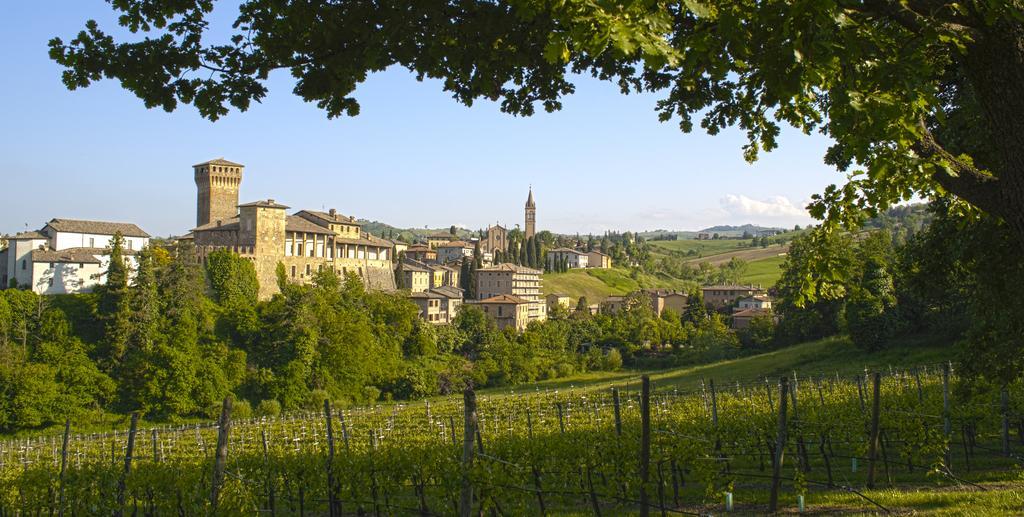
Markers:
point(531, 254)
point(538, 252)
point(471, 291)
point(114, 306)
point(400, 277)
point(464, 277)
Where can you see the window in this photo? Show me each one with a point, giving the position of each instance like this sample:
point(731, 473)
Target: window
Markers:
point(308, 269)
point(92, 242)
point(24, 264)
point(128, 244)
point(293, 271)
point(50, 282)
point(51, 265)
point(81, 265)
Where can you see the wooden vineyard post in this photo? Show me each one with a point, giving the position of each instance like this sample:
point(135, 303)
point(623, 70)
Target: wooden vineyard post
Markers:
point(875, 415)
point(344, 428)
point(860, 393)
point(221, 458)
point(714, 403)
point(468, 433)
point(946, 427)
point(332, 504)
point(1004, 405)
point(645, 442)
point(801, 448)
point(561, 423)
point(780, 445)
point(270, 479)
point(529, 425)
point(768, 390)
point(156, 455)
point(920, 391)
point(64, 464)
point(121, 484)
point(593, 495)
point(618, 412)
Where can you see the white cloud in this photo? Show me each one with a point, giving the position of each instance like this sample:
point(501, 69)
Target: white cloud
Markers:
point(775, 206)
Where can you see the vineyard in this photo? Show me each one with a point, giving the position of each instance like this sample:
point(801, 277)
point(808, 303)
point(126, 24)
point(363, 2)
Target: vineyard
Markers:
point(750, 446)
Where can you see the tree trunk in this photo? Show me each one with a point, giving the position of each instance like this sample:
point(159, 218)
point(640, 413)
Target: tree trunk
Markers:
point(994, 65)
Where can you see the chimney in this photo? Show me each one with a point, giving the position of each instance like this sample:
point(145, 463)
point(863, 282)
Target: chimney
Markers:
point(270, 200)
point(333, 212)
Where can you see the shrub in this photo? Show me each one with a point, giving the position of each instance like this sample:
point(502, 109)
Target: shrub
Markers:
point(316, 399)
point(241, 410)
point(268, 408)
point(612, 360)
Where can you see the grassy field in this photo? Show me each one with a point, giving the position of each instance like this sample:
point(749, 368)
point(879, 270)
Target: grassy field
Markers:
point(765, 271)
point(826, 356)
point(704, 248)
point(598, 284)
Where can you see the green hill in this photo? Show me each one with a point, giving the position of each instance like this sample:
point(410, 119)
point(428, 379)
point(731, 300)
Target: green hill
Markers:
point(702, 248)
point(829, 356)
point(598, 284)
point(765, 271)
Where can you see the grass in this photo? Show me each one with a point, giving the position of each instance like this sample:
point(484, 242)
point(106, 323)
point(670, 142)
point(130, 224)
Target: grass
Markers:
point(765, 271)
point(825, 356)
point(598, 284)
point(703, 248)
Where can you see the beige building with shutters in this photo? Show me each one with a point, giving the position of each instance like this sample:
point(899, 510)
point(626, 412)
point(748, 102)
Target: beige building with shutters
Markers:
point(510, 279)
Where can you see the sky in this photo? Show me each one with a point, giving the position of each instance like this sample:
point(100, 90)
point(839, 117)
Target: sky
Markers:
point(413, 158)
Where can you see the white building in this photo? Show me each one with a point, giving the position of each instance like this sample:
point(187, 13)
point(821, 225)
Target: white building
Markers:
point(576, 259)
point(758, 301)
point(454, 251)
point(67, 255)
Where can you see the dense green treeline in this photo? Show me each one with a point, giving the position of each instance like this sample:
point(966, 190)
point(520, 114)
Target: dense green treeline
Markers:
point(955, 277)
point(170, 338)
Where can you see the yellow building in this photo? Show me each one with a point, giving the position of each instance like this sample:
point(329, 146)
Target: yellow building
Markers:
point(506, 310)
point(559, 300)
point(415, 277)
point(438, 239)
point(596, 259)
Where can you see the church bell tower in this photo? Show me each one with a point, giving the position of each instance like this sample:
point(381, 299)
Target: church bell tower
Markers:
point(531, 216)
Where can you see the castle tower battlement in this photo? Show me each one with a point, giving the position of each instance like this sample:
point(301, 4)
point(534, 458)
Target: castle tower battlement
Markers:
point(217, 184)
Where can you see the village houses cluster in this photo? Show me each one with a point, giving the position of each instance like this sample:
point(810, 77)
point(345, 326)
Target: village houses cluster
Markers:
point(71, 256)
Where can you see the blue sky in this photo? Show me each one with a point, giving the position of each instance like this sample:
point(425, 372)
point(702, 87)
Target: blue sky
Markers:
point(413, 157)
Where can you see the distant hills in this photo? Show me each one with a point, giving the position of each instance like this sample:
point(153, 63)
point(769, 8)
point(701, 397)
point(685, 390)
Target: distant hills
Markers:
point(723, 230)
point(739, 230)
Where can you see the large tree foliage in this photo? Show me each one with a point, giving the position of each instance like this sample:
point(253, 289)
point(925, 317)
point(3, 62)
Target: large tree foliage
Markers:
point(884, 79)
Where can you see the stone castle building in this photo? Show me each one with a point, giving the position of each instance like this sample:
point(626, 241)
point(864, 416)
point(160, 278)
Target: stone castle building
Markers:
point(217, 182)
point(304, 243)
point(531, 217)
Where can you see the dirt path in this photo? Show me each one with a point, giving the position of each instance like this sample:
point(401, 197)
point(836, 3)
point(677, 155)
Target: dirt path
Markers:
point(749, 255)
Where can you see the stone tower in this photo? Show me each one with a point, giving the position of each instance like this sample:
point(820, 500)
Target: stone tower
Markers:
point(217, 182)
point(531, 216)
point(261, 229)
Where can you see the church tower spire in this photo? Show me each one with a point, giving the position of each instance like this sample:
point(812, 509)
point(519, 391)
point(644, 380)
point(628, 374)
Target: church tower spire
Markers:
point(531, 215)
